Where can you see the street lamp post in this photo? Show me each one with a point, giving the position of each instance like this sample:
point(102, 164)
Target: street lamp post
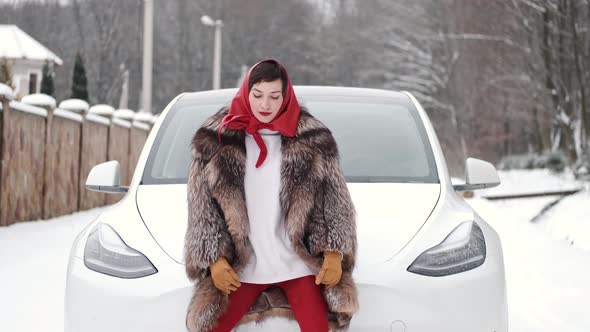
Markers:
point(148, 32)
point(218, 24)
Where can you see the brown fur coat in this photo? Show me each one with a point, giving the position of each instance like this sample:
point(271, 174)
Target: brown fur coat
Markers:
point(320, 216)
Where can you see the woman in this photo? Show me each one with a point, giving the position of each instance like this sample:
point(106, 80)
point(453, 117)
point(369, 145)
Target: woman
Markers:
point(268, 208)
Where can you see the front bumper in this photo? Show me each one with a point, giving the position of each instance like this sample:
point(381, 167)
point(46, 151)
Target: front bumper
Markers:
point(468, 302)
point(390, 298)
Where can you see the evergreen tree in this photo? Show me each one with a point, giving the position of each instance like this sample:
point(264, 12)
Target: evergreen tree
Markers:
point(79, 82)
point(47, 86)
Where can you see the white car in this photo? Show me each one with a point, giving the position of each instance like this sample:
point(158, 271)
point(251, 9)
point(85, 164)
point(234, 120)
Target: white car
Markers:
point(426, 260)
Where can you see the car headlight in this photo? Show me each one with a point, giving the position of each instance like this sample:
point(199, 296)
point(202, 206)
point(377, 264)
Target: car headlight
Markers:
point(462, 250)
point(105, 252)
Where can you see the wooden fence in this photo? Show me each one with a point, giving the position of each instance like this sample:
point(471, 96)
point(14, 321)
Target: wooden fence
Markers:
point(47, 153)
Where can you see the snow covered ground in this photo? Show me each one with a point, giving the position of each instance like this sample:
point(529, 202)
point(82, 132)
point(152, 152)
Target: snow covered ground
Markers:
point(547, 262)
point(33, 263)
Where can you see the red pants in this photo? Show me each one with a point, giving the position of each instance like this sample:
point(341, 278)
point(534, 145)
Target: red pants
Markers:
point(304, 296)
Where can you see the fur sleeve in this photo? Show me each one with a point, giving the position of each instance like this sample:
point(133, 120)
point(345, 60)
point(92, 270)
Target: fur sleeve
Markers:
point(339, 212)
point(207, 236)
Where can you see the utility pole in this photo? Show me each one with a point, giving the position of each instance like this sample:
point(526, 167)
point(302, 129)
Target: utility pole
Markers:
point(148, 36)
point(218, 24)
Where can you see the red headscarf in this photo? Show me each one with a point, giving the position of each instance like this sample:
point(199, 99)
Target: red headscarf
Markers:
point(240, 116)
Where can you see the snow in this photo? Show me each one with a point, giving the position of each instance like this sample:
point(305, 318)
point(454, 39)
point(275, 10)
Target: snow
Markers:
point(16, 44)
point(33, 263)
point(140, 125)
point(125, 114)
point(570, 220)
point(22, 107)
point(564, 118)
point(546, 278)
point(39, 99)
point(74, 105)
point(531, 181)
point(547, 270)
point(68, 115)
point(143, 116)
point(6, 91)
point(122, 123)
point(102, 109)
point(98, 119)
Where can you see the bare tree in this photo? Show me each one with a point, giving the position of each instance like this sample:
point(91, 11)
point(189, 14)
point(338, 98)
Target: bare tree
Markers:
point(497, 77)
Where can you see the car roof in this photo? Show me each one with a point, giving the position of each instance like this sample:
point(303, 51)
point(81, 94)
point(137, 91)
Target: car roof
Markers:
point(305, 92)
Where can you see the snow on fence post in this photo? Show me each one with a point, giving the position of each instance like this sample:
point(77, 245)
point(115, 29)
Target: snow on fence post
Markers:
point(144, 117)
point(75, 105)
point(48, 103)
point(81, 107)
point(6, 95)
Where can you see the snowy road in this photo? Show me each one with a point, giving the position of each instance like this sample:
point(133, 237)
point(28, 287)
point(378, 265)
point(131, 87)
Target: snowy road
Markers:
point(547, 264)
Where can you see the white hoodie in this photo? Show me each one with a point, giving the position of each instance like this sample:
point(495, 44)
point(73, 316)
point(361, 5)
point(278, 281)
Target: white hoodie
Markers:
point(274, 258)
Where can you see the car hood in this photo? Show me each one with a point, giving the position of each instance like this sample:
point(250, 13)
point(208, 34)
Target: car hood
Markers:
point(388, 216)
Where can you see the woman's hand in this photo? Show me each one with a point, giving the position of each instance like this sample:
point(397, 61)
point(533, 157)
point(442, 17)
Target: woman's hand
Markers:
point(224, 277)
point(331, 269)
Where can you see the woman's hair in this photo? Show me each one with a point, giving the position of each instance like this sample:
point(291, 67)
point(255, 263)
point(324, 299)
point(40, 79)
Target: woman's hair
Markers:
point(267, 72)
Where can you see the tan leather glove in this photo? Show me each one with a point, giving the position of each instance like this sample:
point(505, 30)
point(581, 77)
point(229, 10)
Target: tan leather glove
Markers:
point(331, 271)
point(224, 277)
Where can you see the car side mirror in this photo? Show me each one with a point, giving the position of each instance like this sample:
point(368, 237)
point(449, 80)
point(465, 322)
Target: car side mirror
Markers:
point(105, 178)
point(479, 174)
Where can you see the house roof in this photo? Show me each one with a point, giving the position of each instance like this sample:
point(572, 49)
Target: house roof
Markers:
point(17, 44)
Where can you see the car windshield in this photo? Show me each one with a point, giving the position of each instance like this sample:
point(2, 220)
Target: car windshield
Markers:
point(378, 140)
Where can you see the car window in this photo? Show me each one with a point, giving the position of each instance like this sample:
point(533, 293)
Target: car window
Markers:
point(170, 156)
point(378, 142)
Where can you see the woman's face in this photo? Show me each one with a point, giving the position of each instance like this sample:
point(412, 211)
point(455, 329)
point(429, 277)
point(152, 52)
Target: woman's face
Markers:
point(266, 99)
